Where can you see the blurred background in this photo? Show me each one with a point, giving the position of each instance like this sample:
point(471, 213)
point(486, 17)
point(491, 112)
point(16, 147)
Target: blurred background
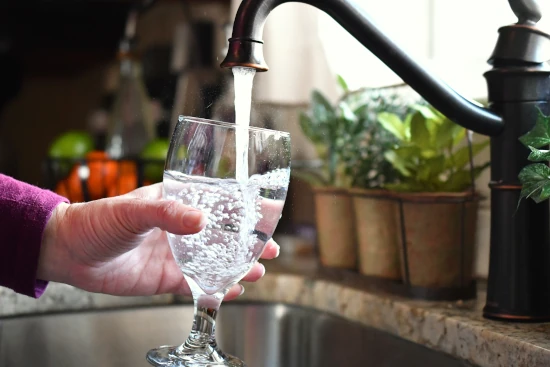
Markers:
point(64, 73)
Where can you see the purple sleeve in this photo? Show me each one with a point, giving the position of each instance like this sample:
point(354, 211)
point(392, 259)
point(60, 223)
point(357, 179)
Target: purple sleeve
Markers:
point(24, 212)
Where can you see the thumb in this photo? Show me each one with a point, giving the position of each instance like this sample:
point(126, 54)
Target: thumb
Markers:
point(141, 216)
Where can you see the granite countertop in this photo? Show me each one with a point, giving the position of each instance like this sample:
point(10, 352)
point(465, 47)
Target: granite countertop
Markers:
point(456, 328)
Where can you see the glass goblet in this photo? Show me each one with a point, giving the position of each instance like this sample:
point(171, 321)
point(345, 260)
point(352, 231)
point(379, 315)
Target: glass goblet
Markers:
point(206, 168)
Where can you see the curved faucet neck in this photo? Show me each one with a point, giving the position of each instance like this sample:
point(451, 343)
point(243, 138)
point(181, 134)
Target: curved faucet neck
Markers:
point(245, 49)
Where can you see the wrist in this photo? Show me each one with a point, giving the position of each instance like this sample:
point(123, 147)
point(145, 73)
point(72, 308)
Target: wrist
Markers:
point(51, 259)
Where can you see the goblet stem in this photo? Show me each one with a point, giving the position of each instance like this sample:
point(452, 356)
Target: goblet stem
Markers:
point(200, 349)
point(201, 346)
point(203, 332)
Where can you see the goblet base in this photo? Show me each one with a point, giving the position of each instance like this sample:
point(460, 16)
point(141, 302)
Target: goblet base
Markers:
point(180, 356)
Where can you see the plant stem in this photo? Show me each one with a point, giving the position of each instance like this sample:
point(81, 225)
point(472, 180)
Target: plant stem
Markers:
point(332, 165)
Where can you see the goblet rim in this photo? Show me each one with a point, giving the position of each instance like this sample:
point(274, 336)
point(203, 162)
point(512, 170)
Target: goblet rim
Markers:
point(229, 125)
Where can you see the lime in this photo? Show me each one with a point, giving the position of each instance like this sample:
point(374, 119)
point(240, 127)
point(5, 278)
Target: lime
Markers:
point(155, 150)
point(73, 144)
point(70, 145)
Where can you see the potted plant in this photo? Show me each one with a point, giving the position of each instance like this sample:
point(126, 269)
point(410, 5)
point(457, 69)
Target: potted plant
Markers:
point(323, 125)
point(436, 195)
point(375, 211)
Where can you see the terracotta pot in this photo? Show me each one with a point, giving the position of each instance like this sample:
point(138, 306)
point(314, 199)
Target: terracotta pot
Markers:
point(335, 228)
point(439, 230)
point(378, 233)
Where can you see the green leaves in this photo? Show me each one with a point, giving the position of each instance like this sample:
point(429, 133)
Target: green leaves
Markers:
point(539, 136)
point(345, 112)
point(425, 156)
point(535, 178)
point(322, 111)
point(331, 129)
point(538, 155)
point(420, 135)
point(431, 169)
point(313, 178)
point(342, 83)
point(429, 114)
point(371, 138)
point(398, 162)
point(463, 178)
point(392, 123)
point(310, 129)
point(448, 134)
point(349, 139)
point(321, 126)
point(462, 156)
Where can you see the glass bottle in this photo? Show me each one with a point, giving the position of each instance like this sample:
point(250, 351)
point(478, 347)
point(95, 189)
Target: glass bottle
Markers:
point(131, 122)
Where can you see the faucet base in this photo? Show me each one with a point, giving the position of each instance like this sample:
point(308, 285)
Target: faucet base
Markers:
point(518, 285)
point(494, 313)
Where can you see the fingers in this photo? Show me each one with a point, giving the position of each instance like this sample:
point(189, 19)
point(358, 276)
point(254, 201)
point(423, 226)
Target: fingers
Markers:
point(271, 250)
point(234, 292)
point(150, 192)
point(167, 215)
point(257, 271)
point(271, 213)
point(176, 217)
point(180, 288)
point(144, 215)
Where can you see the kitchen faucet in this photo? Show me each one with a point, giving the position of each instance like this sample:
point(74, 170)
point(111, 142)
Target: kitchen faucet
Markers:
point(518, 287)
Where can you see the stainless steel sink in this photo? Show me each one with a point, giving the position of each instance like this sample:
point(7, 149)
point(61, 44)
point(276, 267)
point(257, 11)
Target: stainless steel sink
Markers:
point(264, 335)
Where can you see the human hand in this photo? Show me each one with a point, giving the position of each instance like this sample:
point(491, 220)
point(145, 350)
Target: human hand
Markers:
point(118, 245)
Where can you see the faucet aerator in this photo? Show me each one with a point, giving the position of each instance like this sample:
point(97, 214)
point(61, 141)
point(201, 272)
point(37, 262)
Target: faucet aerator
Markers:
point(245, 52)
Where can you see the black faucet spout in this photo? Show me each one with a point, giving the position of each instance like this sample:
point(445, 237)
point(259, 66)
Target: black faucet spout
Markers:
point(246, 49)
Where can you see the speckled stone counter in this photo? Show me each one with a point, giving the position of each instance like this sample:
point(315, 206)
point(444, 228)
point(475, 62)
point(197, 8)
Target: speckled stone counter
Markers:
point(456, 328)
point(62, 297)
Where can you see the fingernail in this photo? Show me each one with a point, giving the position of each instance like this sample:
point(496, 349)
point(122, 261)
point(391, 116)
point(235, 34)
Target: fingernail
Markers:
point(194, 218)
point(278, 251)
point(242, 290)
point(263, 269)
